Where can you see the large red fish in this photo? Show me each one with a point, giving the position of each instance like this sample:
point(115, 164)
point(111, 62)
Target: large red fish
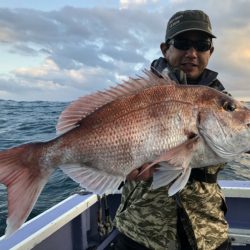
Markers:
point(106, 135)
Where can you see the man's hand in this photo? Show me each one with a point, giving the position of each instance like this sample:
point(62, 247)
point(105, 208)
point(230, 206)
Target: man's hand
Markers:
point(145, 176)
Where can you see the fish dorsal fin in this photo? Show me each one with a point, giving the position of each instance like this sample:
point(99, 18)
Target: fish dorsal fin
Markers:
point(79, 109)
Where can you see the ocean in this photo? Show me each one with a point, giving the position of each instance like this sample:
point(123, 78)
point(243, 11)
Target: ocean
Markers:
point(22, 122)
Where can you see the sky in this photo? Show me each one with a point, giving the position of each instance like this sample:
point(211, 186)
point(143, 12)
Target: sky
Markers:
point(60, 50)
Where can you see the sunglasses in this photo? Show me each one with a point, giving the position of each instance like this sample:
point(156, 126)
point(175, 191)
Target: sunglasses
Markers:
point(185, 44)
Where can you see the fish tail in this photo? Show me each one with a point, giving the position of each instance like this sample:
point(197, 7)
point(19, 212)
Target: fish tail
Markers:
point(20, 172)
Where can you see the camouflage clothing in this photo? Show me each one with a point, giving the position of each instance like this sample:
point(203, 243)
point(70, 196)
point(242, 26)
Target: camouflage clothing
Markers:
point(203, 218)
point(150, 217)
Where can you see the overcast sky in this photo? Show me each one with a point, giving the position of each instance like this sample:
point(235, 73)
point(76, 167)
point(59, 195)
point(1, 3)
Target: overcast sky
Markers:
point(59, 50)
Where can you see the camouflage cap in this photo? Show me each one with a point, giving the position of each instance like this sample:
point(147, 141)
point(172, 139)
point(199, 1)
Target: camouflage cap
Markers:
point(188, 20)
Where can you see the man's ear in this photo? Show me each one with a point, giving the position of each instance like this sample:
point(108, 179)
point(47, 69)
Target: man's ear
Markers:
point(211, 50)
point(164, 48)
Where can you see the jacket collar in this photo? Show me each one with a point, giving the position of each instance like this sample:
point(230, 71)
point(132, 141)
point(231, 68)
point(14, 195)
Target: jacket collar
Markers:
point(160, 65)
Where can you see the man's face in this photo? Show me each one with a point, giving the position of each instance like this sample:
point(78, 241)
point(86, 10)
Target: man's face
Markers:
point(191, 61)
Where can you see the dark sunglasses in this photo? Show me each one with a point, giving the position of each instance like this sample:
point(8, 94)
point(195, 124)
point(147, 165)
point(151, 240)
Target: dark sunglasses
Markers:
point(185, 44)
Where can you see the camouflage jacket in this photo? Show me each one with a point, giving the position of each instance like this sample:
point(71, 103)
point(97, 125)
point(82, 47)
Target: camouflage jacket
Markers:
point(149, 217)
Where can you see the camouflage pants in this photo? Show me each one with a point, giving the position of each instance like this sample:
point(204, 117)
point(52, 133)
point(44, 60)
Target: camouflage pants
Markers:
point(204, 222)
point(149, 217)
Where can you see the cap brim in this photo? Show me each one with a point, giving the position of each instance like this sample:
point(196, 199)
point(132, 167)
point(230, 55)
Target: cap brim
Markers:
point(192, 29)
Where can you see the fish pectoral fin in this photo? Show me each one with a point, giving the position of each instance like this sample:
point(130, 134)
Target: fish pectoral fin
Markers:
point(180, 183)
point(163, 176)
point(166, 174)
point(93, 180)
point(178, 157)
point(173, 163)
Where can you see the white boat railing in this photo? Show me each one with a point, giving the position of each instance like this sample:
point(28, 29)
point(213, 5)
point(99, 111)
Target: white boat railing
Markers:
point(42, 226)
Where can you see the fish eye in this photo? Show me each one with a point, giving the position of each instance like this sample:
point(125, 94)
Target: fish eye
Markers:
point(229, 106)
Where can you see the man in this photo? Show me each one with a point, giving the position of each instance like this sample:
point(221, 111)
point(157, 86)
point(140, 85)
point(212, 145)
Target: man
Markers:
point(194, 217)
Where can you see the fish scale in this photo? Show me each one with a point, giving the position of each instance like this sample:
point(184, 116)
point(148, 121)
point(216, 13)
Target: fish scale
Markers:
point(121, 149)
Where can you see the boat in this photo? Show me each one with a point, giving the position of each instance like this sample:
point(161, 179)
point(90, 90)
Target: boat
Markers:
point(84, 222)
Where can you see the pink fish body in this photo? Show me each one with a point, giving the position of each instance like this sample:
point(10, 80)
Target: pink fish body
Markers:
point(106, 135)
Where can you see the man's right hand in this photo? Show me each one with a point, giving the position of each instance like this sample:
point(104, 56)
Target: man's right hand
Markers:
point(137, 175)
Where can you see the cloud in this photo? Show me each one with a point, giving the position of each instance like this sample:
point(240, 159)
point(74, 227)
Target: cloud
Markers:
point(124, 4)
point(84, 49)
point(81, 47)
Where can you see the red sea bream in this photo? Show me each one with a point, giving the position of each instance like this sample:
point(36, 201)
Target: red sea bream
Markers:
point(102, 137)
